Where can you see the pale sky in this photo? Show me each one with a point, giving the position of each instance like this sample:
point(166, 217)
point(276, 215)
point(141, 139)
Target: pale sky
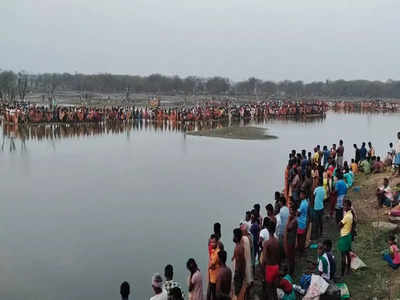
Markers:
point(269, 39)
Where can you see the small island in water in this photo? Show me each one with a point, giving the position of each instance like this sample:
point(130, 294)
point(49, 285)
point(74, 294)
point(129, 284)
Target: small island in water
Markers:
point(235, 132)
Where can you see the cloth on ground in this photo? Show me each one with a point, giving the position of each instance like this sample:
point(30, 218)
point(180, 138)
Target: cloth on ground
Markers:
point(317, 287)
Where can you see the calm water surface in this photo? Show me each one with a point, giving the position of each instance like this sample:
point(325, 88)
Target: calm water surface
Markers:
point(82, 214)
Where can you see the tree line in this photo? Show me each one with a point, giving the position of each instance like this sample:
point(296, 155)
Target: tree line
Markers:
point(18, 85)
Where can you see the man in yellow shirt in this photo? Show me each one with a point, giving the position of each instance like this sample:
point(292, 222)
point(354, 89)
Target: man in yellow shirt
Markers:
point(344, 244)
point(213, 268)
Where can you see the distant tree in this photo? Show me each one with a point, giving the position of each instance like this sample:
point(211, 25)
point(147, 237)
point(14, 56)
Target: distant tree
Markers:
point(8, 85)
point(22, 85)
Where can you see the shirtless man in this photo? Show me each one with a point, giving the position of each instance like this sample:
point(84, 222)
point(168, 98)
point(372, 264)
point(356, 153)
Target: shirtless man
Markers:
point(271, 261)
point(224, 278)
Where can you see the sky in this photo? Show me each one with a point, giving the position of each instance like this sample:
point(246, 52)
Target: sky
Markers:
point(304, 40)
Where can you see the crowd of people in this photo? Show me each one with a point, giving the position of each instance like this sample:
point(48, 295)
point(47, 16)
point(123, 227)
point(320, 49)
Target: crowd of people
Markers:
point(25, 112)
point(315, 193)
point(29, 113)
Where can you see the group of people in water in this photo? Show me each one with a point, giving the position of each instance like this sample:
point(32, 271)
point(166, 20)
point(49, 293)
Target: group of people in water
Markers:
point(315, 193)
point(27, 113)
point(24, 112)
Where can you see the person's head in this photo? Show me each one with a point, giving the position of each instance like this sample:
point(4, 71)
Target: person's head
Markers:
point(339, 175)
point(222, 257)
point(175, 294)
point(325, 147)
point(271, 227)
point(156, 283)
point(341, 143)
point(283, 269)
point(378, 158)
point(124, 290)
point(321, 249)
point(347, 205)
point(327, 245)
point(318, 147)
point(191, 265)
point(363, 145)
point(270, 209)
point(217, 230)
point(244, 227)
point(302, 194)
point(391, 145)
point(257, 207)
point(237, 235)
point(334, 146)
point(398, 135)
point(213, 241)
point(277, 195)
point(293, 210)
point(309, 154)
point(168, 272)
point(370, 144)
point(385, 182)
point(303, 153)
point(392, 239)
point(253, 216)
point(248, 215)
point(282, 201)
point(352, 160)
point(355, 146)
point(315, 149)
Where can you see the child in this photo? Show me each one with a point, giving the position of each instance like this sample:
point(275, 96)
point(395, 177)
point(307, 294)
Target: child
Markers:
point(328, 250)
point(323, 265)
point(286, 283)
point(393, 257)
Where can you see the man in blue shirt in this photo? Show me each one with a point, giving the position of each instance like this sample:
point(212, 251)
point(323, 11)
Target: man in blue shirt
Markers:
point(363, 152)
point(341, 191)
point(302, 218)
point(319, 196)
point(327, 154)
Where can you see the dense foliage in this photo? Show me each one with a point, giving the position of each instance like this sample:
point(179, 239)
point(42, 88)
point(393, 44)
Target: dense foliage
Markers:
point(16, 85)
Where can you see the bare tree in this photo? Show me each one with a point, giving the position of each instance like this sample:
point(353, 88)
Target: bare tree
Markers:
point(22, 85)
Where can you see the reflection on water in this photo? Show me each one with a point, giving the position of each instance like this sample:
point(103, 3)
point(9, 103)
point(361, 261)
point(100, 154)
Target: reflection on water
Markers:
point(55, 131)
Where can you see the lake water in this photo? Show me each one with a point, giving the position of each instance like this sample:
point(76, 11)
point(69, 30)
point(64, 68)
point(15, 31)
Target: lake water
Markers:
point(82, 213)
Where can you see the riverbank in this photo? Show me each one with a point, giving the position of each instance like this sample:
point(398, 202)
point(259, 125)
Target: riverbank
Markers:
point(377, 280)
point(235, 132)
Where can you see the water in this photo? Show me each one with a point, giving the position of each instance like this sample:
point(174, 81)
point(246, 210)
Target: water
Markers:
point(82, 214)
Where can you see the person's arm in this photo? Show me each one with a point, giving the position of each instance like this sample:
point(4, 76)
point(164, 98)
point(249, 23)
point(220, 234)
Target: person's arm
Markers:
point(191, 285)
point(213, 262)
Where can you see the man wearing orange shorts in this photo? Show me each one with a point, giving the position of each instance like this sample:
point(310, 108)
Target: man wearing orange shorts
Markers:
point(271, 261)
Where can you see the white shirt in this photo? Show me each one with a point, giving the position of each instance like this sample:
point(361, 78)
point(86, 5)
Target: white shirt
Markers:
point(161, 296)
point(264, 234)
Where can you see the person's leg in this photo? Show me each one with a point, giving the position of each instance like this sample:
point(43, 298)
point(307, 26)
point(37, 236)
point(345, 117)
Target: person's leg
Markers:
point(338, 215)
point(209, 292)
point(348, 258)
point(389, 260)
point(320, 216)
point(343, 262)
point(291, 256)
point(301, 240)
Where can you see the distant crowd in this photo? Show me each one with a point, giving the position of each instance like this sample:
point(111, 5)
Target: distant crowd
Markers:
point(28, 113)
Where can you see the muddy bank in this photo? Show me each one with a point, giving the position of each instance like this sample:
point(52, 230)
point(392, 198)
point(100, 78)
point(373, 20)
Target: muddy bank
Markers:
point(234, 132)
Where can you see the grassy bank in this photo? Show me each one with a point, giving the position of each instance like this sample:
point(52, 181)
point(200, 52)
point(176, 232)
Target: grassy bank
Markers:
point(377, 280)
point(235, 132)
